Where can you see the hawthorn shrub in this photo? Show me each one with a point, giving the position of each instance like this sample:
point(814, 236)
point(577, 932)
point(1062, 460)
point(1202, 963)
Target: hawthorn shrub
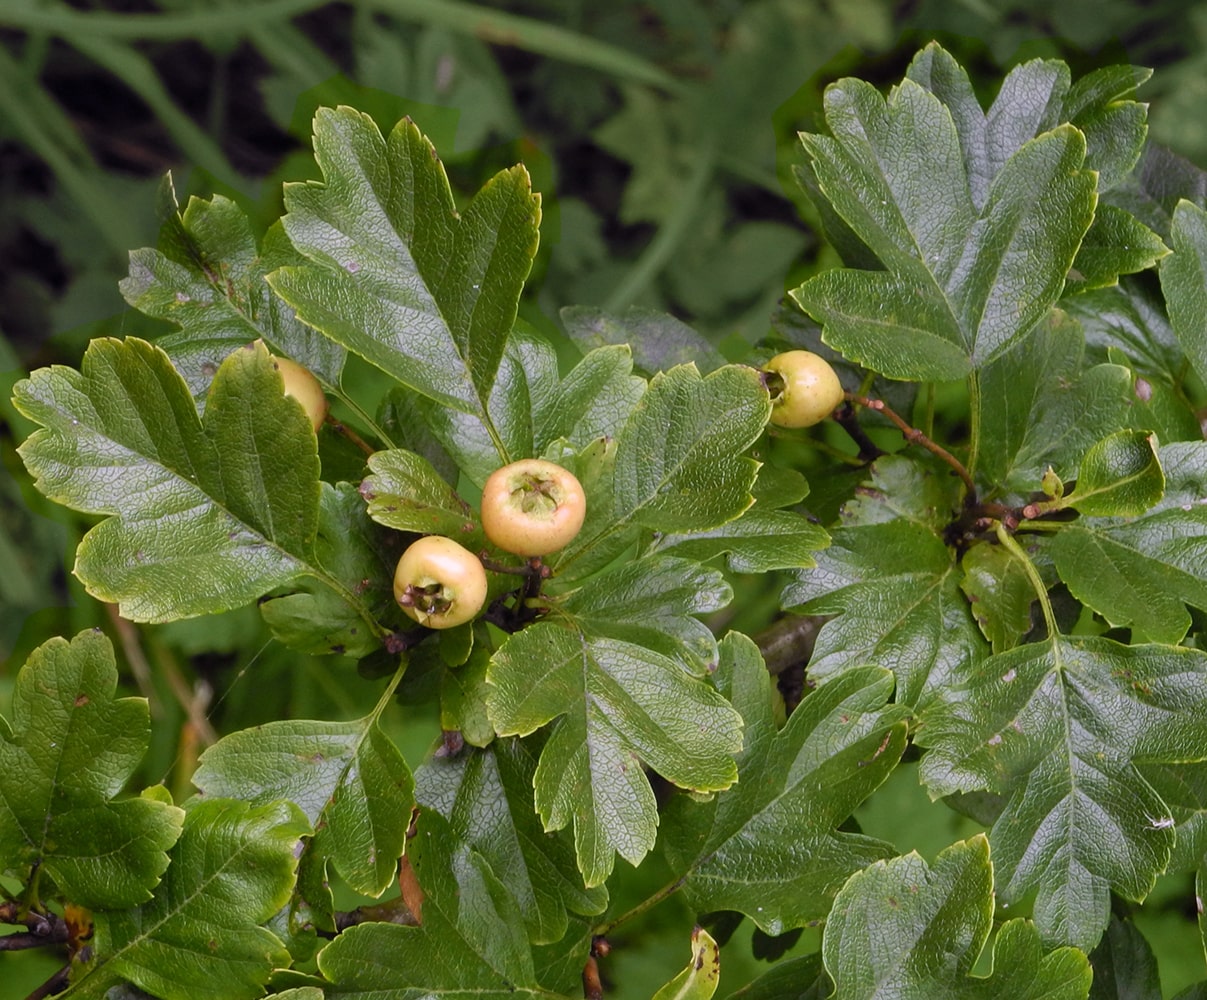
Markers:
point(1011, 599)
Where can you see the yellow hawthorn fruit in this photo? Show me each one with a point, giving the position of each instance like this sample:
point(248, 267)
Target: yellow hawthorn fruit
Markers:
point(439, 583)
point(532, 507)
point(304, 387)
point(808, 389)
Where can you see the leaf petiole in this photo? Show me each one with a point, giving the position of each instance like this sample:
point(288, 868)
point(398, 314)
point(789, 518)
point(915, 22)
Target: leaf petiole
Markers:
point(648, 903)
point(356, 408)
point(1010, 544)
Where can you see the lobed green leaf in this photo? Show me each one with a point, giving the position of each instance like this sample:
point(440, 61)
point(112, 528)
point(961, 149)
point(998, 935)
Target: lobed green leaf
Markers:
point(759, 541)
point(1057, 727)
point(406, 493)
point(658, 341)
point(1120, 476)
point(1117, 243)
point(469, 942)
point(618, 705)
point(1000, 593)
point(64, 756)
point(1184, 282)
point(538, 870)
point(358, 557)
point(199, 937)
point(206, 513)
point(1140, 571)
point(207, 279)
point(395, 273)
point(650, 602)
point(895, 590)
point(347, 778)
point(678, 462)
point(770, 846)
point(1124, 964)
point(1041, 405)
point(975, 219)
point(906, 929)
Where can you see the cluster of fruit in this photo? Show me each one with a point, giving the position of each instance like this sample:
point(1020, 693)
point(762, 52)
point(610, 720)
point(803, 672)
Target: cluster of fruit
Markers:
point(533, 507)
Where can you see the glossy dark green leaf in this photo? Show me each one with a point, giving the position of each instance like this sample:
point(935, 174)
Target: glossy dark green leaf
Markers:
point(396, 274)
point(1041, 405)
point(65, 752)
point(1130, 318)
point(199, 938)
point(650, 602)
point(538, 870)
point(975, 241)
point(1124, 965)
point(1120, 476)
point(906, 489)
point(404, 492)
point(347, 778)
point(327, 615)
point(769, 847)
point(617, 705)
point(470, 942)
point(527, 373)
point(1184, 282)
point(1117, 243)
point(1035, 97)
point(594, 399)
point(801, 978)
point(678, 462)
point(560, 966)
point(206, 513)
point(1152, 190)
point(1140, 571)
point(463, 694)
point(907, 929)
point(658, 341)
point(1101, 104)
point(895, 590)
point(1183, 787)
point(1056, 727)
point(779, 486)
point(207, 278)
point(1000, 593)
point(757, 542)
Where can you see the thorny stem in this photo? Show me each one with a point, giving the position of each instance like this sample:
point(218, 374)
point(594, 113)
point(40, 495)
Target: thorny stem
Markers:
point(1010, 544)
point(915, 436)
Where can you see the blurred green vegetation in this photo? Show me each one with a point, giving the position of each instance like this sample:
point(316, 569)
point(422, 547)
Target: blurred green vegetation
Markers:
point(661, 135)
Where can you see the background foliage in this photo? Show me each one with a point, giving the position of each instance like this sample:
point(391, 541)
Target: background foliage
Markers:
point(662, 136)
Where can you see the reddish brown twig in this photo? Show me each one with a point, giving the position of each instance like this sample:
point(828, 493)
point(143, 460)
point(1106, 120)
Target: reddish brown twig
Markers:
point(915, 436)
